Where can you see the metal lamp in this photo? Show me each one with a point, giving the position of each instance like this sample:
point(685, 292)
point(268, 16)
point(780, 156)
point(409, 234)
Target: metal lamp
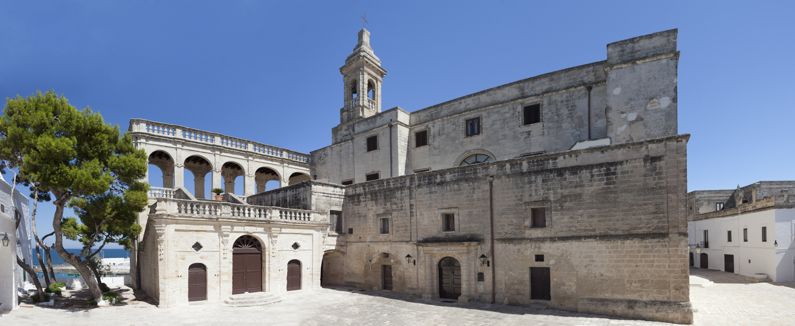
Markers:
point(5, 240)
point(484, 260)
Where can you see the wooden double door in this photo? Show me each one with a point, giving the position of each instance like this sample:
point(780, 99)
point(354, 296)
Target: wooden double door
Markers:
point(246, 265)
point(449, 278)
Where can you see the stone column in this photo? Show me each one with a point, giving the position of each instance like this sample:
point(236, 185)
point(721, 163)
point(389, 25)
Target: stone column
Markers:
point(179, 176)
point(217, 183)
point(249, 186)
point(225, 262)
point(198, 185)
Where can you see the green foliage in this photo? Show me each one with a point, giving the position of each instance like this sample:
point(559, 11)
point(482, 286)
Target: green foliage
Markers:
point(218, 191)
point(74, 154)
point(36, 298)
point(55, 288)
point(111, 297)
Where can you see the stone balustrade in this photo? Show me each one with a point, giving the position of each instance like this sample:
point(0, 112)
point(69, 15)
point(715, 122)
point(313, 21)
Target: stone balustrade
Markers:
point(200, 136)
point(158, 192)
point(214, 209)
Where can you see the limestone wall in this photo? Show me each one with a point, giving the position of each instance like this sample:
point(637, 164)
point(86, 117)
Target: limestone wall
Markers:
point(615, 240)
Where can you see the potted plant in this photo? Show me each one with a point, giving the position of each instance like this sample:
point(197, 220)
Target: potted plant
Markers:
point(218, 192)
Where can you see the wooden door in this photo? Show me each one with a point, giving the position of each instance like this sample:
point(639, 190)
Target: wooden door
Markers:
point(728, 263)
point(386, 277)
point(293, 275)
point(692, 260)
point(703, 261)
point(540, 287)
point(449, 278)
point(246, 265)
point(197, 282)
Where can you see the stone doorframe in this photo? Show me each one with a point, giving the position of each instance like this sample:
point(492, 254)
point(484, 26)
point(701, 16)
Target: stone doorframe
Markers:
point(467, 255)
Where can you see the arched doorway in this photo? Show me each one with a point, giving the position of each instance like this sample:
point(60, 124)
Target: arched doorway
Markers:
point(449, 278)
point(293, 275)
point(332, 269)
point(703, 260)
point(246, 265)
point(197, 282)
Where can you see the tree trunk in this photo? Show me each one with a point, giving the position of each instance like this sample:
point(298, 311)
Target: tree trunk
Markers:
point(42, 266)
point(96, 273)
point(79, 264)
point(48, 255)
point(32, 275)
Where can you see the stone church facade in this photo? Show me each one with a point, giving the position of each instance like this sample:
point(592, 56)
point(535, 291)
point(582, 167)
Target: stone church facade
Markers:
point(566, 189)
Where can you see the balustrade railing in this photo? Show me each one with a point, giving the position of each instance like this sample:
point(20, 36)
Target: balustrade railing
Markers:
point(224, 209)
point(175, 131)
point(157, 192)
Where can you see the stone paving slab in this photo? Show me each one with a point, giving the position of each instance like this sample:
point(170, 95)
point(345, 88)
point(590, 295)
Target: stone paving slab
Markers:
point(719, 299)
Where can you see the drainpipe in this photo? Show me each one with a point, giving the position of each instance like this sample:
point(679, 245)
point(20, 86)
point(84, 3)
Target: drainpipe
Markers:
point(589, 87)
point(491, 240)
point(391, 174)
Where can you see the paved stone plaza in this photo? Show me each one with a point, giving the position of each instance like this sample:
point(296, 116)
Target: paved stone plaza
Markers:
point(718, 298)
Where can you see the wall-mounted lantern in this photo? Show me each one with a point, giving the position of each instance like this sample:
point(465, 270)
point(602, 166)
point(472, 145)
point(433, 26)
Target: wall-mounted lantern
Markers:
point(698, 248)
point(410, 260)
point(5, 240)
point(484, 260)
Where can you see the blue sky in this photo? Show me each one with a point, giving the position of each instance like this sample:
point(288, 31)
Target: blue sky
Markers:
point(268, 71)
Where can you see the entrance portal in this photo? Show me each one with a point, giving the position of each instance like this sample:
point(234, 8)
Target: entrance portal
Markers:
point(246, 265)
point(728, 263)
point(703, 261)
point(197, 282)
point(386, 277)
point(293, 275)
point(449, 278)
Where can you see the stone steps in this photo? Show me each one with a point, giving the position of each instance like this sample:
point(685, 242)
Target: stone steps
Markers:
point(251, 299)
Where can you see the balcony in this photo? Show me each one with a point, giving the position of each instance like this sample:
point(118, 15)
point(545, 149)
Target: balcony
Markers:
point(224, 210)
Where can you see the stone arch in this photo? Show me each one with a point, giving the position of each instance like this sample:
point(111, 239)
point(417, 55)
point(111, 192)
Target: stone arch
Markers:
point(230, 171)
point(354, 87)
point(163, 161)
point(371, 90)
point(267, 178)
point(381, 264)
point(200, 169)
point(332, 268)
point(475, 156)
point(297, 178)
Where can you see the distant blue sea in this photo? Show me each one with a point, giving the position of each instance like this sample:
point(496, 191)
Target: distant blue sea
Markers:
point(106, 253)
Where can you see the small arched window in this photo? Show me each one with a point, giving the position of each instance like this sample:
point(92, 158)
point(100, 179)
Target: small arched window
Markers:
point(370, 90)
point(354, 90)
point(476, 159)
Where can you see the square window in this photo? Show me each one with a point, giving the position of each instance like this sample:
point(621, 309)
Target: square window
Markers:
point(384, 225)
point(473, 127)
point(538, 217)
point(729, 236)
point(448, 222)
point(372, 143)
point(347, 182)
point(372, 176)
point(421, 138)
point(532, 114)
point(350, 230)
point(539, 258)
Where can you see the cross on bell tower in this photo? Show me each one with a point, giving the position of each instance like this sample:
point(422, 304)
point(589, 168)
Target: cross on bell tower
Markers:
point(362, 75)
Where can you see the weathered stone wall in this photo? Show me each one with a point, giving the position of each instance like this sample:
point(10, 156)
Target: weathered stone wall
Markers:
point(317, 196)
point(631, 96)
point(615, 240)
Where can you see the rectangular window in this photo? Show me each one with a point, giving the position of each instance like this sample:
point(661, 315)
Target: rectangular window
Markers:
point(384, 225)
point(718, 206)
point(539, 258)
point(473, 127)
point(532, 114)
point(421, 138)
point(336, 221)
point(372, 176)
point(347, 182)
point(448, 222)
point(372, 143)
point(538, 217)
point(481, 277)
point(706, 239)
point(745, 235)
point(350, 230)
point(729, 236)
point(764, 234)
point(2, 208)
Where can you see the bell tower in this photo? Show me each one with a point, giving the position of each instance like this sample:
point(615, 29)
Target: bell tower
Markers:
point(362, 75)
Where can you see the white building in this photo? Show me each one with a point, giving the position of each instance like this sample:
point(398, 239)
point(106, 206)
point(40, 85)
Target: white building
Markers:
point(13, 242)
point(748, 231)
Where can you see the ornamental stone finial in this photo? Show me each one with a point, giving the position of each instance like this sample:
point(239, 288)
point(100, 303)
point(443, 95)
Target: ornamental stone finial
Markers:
point(364, 39)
